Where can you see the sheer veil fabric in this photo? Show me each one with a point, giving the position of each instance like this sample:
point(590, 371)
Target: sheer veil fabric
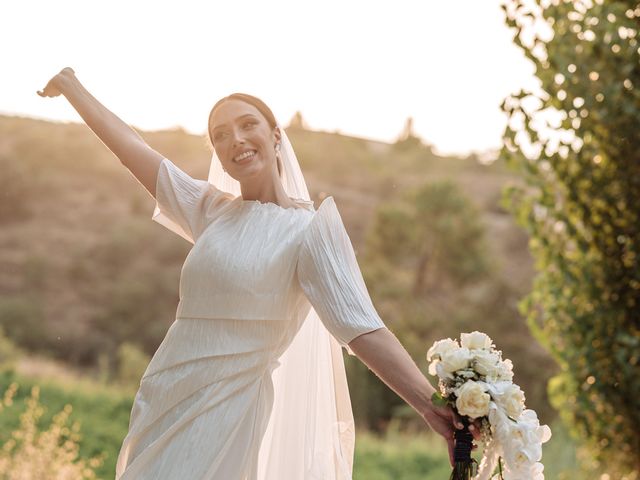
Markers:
point(310, 432)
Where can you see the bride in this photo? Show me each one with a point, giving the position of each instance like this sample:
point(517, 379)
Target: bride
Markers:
point(249, 381)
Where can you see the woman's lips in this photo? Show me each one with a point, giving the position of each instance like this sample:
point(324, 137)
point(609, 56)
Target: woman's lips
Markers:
point(246, 159)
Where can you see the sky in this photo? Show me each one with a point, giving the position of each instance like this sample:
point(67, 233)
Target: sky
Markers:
point(360, 68)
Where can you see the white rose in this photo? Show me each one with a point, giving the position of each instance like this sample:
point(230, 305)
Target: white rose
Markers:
point(435, 368)
point(486, 362)
point(477, 340)
point(472, 400)
point(511, 400)
point(457, 359)
point(441, 347)
point(505, 370)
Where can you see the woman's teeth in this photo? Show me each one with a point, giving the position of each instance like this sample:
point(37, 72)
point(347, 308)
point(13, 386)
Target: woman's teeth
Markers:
point(244, 156)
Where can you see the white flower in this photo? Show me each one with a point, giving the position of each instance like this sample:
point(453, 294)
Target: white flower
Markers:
point(511, 400)
point(486, 362)
point(522, 437)
point(457, 359)
point(439, 348)
point(477, 340)
point(472, 400)
point(445, 376)
point(542, 432)
point(505, 370)
point(519, 458)
point(521, 441)
point(518, 467)
point(498, 419)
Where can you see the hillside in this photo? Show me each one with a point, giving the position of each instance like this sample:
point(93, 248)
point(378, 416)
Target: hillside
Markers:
point(83, 267)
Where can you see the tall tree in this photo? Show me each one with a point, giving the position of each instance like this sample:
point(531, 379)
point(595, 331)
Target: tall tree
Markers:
point(436, 234)
point(577, 142)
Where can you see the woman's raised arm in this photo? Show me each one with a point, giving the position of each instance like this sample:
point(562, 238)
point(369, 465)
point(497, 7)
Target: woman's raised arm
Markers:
point(130, 148)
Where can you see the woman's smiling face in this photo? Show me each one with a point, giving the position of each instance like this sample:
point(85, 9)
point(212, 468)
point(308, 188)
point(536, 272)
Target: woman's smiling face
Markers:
point(243, 139)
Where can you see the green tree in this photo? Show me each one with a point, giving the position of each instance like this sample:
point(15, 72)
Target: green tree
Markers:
point(577, 143)
point(416, 249)
point(435, 235)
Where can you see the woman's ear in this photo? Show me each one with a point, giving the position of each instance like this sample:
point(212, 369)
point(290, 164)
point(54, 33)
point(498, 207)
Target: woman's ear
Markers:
point(277, 135)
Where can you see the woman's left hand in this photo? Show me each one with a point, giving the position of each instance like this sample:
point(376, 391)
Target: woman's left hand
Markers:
point(445, 420)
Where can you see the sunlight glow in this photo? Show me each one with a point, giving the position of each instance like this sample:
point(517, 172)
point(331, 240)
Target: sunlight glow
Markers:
point(360, 69)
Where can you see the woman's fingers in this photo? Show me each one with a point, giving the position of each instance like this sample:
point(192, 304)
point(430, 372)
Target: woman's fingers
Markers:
point(451, 445)
point(52, 88)
point(43, 92)
point(457, 420)
point(49, 90)
point(474, 428)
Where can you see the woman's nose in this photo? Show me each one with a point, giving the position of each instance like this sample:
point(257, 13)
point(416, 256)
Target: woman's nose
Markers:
point(237, 138)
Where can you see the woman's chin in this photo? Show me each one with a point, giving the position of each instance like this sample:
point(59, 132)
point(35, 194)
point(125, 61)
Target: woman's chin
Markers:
point(253, 170)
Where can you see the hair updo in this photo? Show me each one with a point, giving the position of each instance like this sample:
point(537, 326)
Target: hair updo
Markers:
point(251, 100)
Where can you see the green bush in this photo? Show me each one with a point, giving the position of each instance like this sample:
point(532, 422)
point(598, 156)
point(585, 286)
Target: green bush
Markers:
point(23, 321)
point(132, 363)
point(9, 352)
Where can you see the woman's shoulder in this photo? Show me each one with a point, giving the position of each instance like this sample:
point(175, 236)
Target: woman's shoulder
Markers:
point(325, 217)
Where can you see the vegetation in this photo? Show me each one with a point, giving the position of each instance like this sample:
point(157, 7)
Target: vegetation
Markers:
point(50, 454)
point(577, 143)
point(35, 430)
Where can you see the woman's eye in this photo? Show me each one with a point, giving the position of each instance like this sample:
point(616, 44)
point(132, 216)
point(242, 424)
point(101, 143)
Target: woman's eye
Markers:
point(249, 123)
point(218, 136)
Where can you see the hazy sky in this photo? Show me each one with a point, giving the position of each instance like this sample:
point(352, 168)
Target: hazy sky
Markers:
point(358, 67)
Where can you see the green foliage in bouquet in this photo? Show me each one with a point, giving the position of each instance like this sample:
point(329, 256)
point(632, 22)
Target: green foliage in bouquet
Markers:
point(581, 208)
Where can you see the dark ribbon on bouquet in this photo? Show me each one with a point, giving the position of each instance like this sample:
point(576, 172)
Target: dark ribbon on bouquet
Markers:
point(464, 466)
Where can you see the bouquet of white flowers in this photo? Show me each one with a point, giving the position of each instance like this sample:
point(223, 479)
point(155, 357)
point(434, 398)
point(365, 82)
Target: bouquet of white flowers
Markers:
point(477, 383)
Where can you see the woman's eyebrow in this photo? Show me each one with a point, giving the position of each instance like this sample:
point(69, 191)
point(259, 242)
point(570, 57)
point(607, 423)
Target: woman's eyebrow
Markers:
point(241, 116)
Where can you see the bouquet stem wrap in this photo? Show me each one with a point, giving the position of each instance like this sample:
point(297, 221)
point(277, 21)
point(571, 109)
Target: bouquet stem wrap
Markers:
point(465, 467)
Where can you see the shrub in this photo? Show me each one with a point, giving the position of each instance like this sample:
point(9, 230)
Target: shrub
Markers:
point(132, 363)
point(8, 351)
point(51, 454)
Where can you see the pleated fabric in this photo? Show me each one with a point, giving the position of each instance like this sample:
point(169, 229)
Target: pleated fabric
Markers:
point(235, 390)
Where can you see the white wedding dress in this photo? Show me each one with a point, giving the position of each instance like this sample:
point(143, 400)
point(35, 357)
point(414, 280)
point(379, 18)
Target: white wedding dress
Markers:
point(217, 400)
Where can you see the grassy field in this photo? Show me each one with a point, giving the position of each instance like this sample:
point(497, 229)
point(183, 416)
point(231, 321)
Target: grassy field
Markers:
point(103, 413)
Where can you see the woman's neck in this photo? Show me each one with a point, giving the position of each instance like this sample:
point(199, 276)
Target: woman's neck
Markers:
point(270, 191)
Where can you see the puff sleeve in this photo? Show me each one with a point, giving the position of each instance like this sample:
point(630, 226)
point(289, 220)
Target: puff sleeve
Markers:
point(328, 272)
point(185, 205)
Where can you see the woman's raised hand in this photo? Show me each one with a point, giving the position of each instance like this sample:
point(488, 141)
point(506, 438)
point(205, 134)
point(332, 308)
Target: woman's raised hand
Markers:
point(52, 89)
